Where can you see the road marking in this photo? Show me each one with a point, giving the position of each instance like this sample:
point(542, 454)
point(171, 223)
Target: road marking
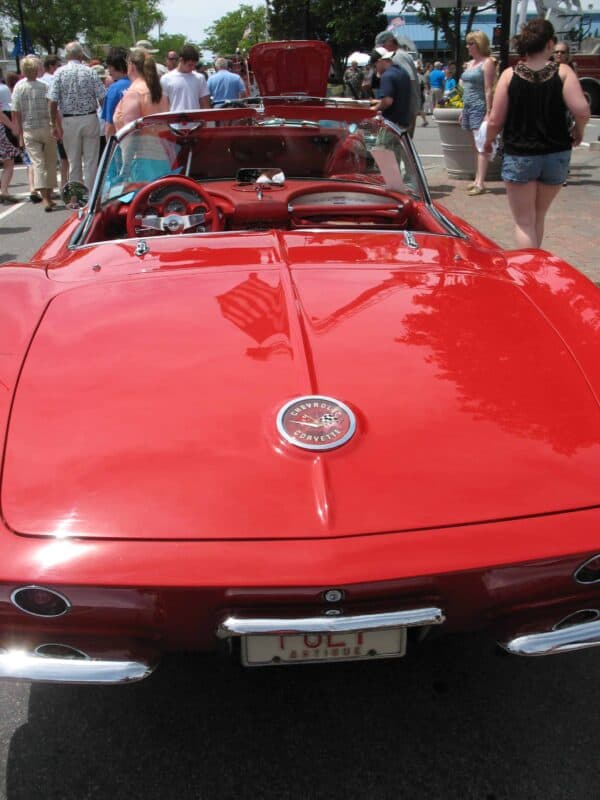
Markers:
point(423, 155)
point(11, 209)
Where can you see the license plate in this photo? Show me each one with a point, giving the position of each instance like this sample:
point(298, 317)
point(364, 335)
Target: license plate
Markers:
point(267, 650)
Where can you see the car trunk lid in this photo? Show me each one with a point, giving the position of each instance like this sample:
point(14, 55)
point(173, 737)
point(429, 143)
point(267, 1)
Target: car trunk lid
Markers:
point(147, 407)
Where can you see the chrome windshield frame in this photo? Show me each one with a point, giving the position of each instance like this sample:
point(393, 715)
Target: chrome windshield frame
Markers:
point(255, 108)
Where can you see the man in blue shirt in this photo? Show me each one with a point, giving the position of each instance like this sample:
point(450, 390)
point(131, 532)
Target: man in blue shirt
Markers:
point(394, 89)
point(437, 77)
point(116, 63)
point(225, 85)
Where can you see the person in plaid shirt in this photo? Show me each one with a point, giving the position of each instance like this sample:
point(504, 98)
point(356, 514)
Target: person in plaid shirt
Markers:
point(76, 92)
point(32, 117)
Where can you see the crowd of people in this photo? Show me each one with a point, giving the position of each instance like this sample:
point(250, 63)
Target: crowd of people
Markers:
point(430, 82)
point(537, 104)
point(57, 117)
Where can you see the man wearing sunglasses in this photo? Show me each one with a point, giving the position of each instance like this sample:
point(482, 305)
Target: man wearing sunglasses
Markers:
point(171, 60)
point(562, 55)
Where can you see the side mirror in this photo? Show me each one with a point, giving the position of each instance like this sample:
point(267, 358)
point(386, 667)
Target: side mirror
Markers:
point(75, 194)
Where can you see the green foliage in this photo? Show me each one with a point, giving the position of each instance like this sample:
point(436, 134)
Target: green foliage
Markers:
point(171, 41)
point(237, 29)
point(53, 23)
point(346, 25)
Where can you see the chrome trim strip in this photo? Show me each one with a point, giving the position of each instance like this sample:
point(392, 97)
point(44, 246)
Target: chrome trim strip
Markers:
point(242, 626)
point(410, 241)
point(565, 640)
point(21, 665)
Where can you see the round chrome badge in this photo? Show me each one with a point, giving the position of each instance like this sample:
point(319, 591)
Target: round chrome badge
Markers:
point(316, 422)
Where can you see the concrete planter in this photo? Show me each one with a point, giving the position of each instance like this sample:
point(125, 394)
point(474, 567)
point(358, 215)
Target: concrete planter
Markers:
point(457, 147)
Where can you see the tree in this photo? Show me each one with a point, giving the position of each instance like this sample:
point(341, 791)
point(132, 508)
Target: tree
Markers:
point(444, 19)
point(344, 24)
point(171, 41)
point(53, 23)
point(237, 30)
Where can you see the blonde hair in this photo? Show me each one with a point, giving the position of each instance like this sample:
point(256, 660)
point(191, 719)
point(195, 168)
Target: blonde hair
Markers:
point(30, 67)
point(481, 40)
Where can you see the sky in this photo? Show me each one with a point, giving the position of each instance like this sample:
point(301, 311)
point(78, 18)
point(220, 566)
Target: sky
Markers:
point(192, 19)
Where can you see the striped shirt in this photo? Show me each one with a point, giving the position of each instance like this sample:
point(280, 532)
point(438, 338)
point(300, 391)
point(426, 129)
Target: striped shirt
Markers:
point(76, 89)
point(29, 99)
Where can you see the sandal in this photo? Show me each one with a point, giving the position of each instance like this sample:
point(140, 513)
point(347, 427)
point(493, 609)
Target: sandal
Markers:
point(34, 197)
point(476, 190)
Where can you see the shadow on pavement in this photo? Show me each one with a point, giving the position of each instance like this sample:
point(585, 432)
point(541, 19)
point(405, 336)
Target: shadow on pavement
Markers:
point(448, 721)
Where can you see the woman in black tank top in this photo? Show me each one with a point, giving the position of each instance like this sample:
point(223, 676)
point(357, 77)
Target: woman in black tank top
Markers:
point(530, 105)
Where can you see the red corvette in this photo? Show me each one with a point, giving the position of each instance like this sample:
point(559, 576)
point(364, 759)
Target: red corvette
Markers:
point(262, 394)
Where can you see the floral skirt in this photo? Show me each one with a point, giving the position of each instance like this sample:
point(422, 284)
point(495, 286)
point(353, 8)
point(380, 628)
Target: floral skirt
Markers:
point(7, 150)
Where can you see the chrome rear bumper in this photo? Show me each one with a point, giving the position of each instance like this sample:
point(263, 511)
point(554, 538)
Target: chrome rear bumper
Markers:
point(20, 665)
point(565, 640)
point(241, 626)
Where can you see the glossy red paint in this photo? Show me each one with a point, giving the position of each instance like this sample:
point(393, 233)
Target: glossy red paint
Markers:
point(294, 67)
point(143, 474)
point(430, 358)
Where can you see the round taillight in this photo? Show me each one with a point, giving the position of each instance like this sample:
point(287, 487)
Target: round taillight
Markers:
point(40, 602)
point(589, 571)
point(578, 618)
point(55, 650)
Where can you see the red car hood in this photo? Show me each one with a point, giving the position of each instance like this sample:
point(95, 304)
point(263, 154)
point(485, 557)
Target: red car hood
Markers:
point(295, 67)
point(147, 406)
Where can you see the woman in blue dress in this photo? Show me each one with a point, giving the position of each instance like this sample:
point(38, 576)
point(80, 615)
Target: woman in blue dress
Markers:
point(477, 81)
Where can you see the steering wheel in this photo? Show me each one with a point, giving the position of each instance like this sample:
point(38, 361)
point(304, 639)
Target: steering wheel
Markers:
point(171, 205)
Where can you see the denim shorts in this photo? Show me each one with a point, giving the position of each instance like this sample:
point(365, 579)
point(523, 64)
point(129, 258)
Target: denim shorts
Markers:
point(472, 117)
point(551, 168)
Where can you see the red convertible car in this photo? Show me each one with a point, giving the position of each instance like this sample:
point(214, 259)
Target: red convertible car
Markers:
point(262, 395)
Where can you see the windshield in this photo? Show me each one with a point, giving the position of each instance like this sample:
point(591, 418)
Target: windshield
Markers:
point(301, 143)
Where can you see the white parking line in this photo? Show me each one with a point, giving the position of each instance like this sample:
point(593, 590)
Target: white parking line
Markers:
point(10, 210)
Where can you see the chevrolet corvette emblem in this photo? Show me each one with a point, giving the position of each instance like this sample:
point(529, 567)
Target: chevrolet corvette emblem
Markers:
point(316, 422)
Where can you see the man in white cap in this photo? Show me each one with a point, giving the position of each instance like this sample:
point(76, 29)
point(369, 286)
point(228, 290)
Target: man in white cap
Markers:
point(394, 88)
point(387, 40)
point(146, 44)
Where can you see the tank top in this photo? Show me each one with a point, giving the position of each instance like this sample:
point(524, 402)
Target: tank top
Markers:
point(536, 122)
point(473, 86)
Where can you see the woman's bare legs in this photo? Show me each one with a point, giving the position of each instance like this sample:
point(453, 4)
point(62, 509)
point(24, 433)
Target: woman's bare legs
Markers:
point(7, 172)
point(481, 167)
point(529, 204)
point(521, 200)
point(481, 164)
point(543, 201)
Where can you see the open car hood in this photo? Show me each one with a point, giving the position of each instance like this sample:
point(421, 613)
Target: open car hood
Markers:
point(294, 67)
point(147, 407)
